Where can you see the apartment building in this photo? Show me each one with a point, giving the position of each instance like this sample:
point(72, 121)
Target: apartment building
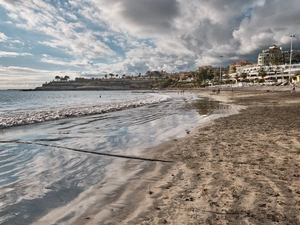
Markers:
point(273, 62)
point(295, 56)
point(271, 56)
point(234, 67)
point(275, 56)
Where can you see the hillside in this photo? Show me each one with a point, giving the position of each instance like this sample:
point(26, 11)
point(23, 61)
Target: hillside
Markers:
point(97, 84)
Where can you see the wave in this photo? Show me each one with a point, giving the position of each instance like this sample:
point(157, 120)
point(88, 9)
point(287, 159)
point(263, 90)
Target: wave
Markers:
point(86, 110)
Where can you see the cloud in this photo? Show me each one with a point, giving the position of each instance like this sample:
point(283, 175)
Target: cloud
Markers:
point(95, 37)
point(73, 36)
point(58, 61)
point(271, 22)
point(144, 16)
point(13, 54)
point(18, 77)
point(3, 37)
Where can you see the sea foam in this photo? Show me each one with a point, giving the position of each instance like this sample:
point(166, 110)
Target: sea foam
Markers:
point(43, 115)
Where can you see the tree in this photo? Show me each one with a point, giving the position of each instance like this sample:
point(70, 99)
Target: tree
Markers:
point(276, 60)
point(111, 75)
point(203, 74)
point(244, 75)
point(148, 74)
point(217, 75)
point(105, 76)
point(57, 78)
point(234, 69)
point(66, 78)
point(262, 73)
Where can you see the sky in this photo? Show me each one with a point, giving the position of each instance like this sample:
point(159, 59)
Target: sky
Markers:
point(41, 39)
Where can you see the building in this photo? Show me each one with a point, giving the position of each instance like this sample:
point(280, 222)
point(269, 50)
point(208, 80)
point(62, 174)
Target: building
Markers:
point(186, 75)
point(233, 67)
point(173, 76)
point(272, 71)
point(295, 56)
point(275, 56)
point(271, 56)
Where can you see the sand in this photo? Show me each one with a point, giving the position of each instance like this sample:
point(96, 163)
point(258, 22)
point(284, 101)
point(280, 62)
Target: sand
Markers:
point(240, 169)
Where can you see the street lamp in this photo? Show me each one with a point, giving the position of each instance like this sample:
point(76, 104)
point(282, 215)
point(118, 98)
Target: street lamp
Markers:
point(292, 36)
point(221, 67)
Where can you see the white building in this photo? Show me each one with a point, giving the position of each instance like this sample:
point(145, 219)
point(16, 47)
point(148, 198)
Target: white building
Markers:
point(274, 71)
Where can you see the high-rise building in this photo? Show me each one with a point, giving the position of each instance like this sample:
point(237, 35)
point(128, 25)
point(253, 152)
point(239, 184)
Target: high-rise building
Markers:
point(271, 56)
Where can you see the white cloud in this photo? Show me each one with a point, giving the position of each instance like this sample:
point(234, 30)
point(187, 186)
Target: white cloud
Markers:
point(39, 16)
point(13, 54)
point(129, 36)
point(57, 61)
point(3, 37)
point(18, 77)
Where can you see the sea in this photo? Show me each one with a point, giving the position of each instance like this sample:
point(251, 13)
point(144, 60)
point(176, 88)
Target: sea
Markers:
point(55, 146)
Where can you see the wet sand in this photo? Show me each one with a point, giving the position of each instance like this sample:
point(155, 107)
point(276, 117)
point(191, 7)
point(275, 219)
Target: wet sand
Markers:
point(241, 169)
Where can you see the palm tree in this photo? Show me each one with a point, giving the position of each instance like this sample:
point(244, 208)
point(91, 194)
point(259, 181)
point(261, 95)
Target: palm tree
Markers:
point(57, 78)
point(111, 75)
point(66, 78)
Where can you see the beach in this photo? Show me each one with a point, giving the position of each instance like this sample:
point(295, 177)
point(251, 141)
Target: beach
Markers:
point(75, 159)
point(240, 169)
point(237, 166)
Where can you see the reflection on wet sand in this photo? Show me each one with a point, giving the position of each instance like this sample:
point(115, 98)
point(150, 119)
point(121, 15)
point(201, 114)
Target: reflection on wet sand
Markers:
point(44, 166)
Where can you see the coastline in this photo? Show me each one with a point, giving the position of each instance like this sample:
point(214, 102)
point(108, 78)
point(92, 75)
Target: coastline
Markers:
point(238, 169)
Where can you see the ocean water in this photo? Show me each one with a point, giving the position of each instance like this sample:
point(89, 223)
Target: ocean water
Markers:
point(47, 140)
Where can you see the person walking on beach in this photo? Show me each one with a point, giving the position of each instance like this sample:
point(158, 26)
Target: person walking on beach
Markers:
point(293, 88)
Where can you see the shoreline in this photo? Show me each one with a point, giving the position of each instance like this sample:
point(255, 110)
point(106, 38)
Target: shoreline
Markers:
point(238, 169)
point(98, 204)
point(140, 202)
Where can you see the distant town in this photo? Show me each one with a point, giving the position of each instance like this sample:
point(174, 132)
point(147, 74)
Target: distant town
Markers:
point(273, 67)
